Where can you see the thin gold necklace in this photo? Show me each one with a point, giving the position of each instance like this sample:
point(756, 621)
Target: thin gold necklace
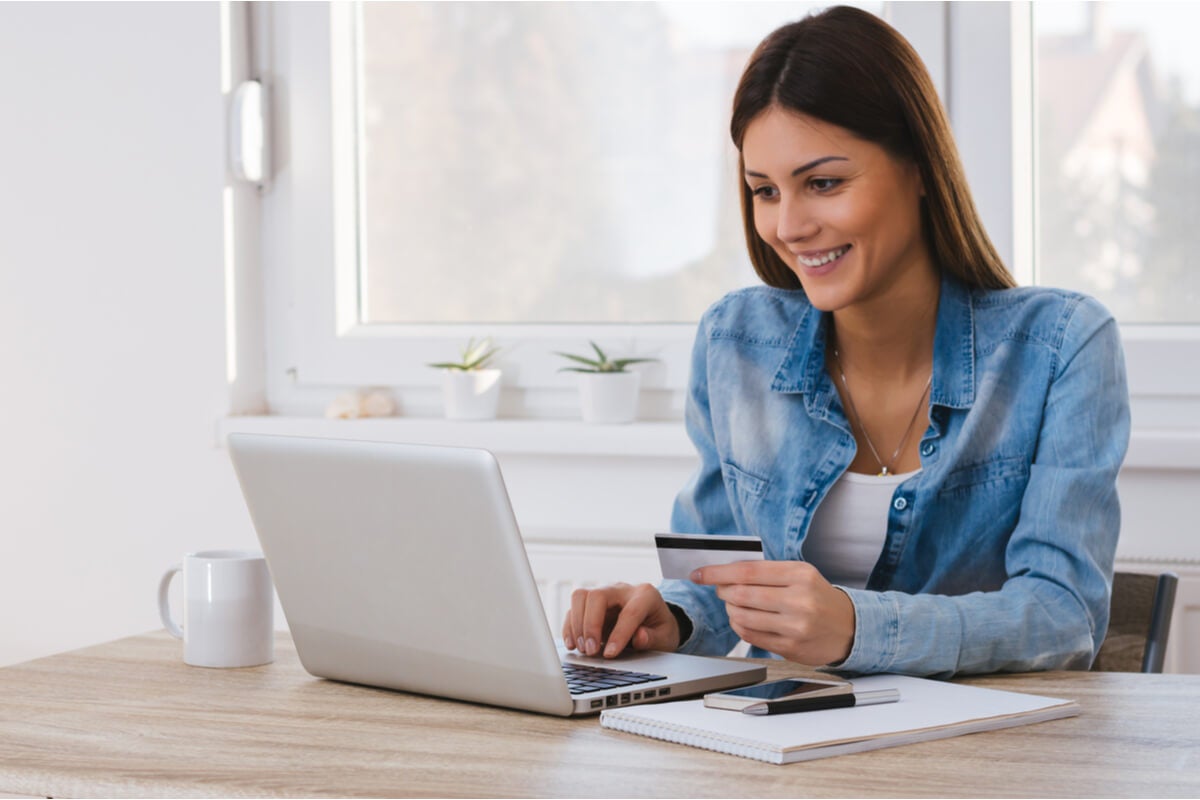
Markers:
point(884, 469)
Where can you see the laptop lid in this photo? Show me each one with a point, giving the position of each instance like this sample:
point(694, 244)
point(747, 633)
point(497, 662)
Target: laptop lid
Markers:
point(401, 566)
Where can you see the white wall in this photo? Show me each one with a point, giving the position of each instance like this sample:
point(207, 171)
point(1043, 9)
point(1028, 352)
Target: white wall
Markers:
point(112, 351)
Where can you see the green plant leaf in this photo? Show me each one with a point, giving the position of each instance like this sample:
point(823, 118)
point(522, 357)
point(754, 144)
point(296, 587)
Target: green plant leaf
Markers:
point(481, 361)
point(578, 369)
point(475, 352)
point(599, 352)
point(474, 356)
point(622, 363)
point(580, 359)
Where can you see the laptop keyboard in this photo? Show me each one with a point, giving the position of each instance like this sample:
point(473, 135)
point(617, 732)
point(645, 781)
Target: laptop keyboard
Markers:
point(583, 678)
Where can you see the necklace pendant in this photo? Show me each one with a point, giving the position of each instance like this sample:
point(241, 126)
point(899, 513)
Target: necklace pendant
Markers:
point(883, 472)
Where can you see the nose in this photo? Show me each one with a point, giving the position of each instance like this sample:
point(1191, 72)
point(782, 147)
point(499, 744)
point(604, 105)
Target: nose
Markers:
point(796, 222)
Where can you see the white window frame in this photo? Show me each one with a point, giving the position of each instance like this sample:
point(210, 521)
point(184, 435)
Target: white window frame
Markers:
point(992, 109)
point(978, 54)
point(309, 241)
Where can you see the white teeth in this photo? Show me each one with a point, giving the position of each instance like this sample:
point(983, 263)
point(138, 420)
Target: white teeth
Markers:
point(825, 259)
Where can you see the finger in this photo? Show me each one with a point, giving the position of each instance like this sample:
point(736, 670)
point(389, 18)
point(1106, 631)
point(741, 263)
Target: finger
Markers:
point(771, 642)
point(754, 621)
point(568, 641)
point(642, 639)
point(763, 598)
point(761, 573)
point(580, 599)
point(596, 614)
point(640, 603)
point(573, 629)
point(737, 572)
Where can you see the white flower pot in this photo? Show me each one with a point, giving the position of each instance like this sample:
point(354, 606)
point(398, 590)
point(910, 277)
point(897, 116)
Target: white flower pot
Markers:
point(471, 394)
point(609, 397)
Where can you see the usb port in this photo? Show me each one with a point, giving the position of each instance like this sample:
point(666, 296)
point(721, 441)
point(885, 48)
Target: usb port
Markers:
point(625, 698)
point(637, 695)
point(611, 700)
point(650, 693)
point(597, 703)
point(664, 691)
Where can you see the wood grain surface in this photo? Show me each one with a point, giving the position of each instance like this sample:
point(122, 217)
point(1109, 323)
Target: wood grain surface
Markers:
point(130, 719)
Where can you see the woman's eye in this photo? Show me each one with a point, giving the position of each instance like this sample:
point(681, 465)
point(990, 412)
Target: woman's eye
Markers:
point(824, 184)
point(765, 192)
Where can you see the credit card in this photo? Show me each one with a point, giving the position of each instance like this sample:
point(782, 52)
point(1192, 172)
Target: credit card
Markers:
point(680, 553)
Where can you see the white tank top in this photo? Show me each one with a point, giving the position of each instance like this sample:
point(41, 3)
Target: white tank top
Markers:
point(849, 527)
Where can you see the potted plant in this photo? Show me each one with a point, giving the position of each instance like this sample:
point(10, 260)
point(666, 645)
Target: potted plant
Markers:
point(470, 387)
point(608, 393)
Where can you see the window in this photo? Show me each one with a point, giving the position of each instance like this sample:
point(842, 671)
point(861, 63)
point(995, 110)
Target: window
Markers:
point(449, 170)
point(542, 173)
point(1118, 168)
point(1001, 128)
point(561, 163)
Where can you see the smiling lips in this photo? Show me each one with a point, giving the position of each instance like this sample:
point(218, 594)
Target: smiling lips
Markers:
point(821, 259)
point(819, 263)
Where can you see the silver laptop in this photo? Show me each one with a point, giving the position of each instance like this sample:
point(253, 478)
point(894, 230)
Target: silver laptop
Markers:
point(401, 566)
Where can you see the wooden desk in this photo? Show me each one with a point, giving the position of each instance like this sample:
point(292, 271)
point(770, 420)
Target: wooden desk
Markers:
point(128, 718)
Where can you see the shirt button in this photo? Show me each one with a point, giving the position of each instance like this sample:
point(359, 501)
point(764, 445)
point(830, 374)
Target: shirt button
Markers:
point(899, 504)
point(928, 448)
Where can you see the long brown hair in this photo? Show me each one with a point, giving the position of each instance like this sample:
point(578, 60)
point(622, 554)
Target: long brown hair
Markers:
point(849, 68)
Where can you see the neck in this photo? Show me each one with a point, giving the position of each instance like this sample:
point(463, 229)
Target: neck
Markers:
point(892, 338)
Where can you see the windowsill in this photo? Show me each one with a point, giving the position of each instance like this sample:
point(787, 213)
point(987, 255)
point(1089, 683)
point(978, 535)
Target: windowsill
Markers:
point(509, 436)
point(1164, 449)
point(1148, 449)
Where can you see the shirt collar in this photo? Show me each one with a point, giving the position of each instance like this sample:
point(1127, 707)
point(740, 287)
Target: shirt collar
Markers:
point(803, 367)
point(954, 347)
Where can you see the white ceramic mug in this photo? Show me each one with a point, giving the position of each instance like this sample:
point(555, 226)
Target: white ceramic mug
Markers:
point(228, 605)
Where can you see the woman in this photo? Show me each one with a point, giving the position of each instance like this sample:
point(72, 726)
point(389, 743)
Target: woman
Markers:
point(928, 453)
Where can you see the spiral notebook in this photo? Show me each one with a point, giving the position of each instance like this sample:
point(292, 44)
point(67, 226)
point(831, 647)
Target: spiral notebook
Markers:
point(927, 710)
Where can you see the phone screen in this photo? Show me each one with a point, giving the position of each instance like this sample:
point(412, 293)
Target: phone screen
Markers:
point(778, 689)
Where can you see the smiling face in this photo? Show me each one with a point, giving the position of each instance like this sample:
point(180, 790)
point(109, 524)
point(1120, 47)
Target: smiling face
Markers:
point(841, 212)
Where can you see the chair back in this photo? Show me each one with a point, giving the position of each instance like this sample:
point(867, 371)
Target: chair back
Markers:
point(1138, 624)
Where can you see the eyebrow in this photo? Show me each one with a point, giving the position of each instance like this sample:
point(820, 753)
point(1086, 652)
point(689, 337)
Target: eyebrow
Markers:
point(804, 168)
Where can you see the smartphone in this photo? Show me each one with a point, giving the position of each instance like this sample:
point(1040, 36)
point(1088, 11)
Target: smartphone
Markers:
point(771, 691)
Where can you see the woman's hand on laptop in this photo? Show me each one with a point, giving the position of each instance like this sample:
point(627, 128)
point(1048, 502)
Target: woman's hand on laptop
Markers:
point(605, 621)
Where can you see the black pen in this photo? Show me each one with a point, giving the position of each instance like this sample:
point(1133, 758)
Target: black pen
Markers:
point(847, 700)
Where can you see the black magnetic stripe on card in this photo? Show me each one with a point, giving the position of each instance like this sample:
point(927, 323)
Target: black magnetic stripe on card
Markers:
point(707, 543)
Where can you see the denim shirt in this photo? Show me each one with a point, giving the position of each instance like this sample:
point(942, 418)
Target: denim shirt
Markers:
point(999, 552)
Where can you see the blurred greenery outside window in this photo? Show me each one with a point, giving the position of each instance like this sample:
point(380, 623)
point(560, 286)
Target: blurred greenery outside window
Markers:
point(552, 162)
point(570, 162)
point(1118, 155)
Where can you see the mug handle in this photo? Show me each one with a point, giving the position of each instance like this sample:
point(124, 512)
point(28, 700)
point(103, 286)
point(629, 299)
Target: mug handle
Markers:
point(164, 609)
